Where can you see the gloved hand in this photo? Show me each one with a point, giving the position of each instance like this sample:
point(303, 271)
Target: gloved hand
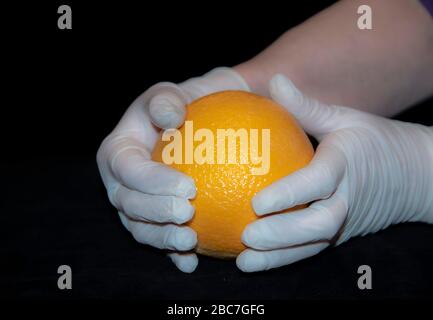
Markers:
point(151, 198)
point(368, 173)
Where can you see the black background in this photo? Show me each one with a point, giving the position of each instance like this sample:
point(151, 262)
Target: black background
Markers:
point(66, 89)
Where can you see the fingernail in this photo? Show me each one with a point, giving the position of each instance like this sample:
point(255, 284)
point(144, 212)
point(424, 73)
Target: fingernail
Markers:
point(186, 239)
point(183, 210)
point(260, 204)
point(187, 188)
point(187, 264)
point(280, 80)
point(250, 236)
point(167, 110)
point(284, 85)
point(251, 261)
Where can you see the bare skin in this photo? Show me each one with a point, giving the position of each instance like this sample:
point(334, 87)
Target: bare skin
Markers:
point(383, 71)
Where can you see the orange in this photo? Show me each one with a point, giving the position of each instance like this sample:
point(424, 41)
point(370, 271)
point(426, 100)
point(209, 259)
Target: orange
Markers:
point(224, 190)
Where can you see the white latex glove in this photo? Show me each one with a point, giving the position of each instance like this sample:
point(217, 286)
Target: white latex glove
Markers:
point(151, 198)
point(368, 173)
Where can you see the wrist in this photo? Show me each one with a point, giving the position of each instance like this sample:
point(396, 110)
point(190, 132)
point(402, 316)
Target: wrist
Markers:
point(218, 79)
point(258, 71)
point(250, 73)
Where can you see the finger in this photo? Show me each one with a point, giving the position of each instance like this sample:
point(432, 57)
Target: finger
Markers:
point(132, 167)
point(319, 222)
point(162, 236)
point(167, 108)
point(315, 117)
point(151, 208)
point(318, 180)
point(253, 261)
point(185, 262)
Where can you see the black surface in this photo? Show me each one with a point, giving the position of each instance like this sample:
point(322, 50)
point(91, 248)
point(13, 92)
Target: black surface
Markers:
point(69, 90)
point(69, 221)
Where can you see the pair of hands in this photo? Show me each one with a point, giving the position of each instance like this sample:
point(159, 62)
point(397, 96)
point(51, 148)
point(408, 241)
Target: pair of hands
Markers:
point(368, 172)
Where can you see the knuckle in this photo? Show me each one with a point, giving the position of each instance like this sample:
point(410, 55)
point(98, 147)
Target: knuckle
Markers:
point(171, 205)
point(330, 222)
point(169, 237)
point(323, 171)
point(130, 203)
point(101, 154)
point(113, 197)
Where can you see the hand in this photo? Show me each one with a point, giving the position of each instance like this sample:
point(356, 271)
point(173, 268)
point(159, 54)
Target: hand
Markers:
point(151, 198)
point(368, 173)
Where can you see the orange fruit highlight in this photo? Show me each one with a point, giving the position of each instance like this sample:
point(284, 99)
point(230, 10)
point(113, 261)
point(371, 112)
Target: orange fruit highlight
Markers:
point(225, 190)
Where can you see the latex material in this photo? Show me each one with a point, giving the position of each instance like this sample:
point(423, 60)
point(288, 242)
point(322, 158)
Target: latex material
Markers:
point(167, 108)
point(151, 198)
point(368, 173)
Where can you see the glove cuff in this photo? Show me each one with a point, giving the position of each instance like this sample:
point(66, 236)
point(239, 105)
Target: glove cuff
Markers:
point(233, 78)
point(218, 79)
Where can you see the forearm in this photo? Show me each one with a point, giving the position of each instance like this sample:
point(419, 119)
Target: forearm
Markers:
point(383, 70)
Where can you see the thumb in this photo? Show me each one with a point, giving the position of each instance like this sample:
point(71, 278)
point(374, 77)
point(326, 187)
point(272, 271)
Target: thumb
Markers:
point(315, 117)
point(167, 105)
